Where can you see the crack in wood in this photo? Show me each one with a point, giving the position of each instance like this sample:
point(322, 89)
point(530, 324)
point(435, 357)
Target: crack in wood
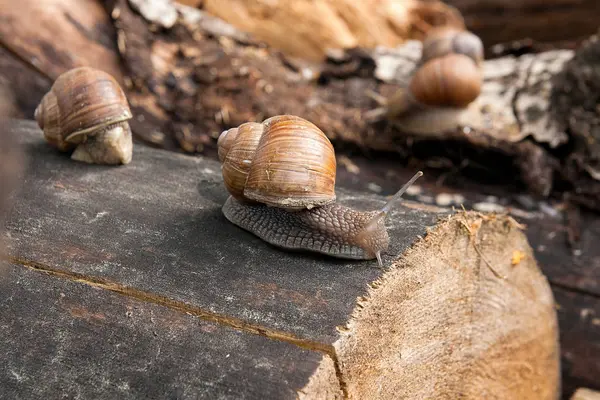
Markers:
point(189, 309)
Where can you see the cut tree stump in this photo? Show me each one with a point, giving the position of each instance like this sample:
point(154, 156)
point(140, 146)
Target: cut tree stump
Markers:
point(141, 288)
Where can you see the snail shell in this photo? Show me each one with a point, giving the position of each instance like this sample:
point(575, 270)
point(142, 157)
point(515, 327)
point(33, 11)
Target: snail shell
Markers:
point(452, 81)
point(87, 110)
point(442, 41)
point(281, 177)
point(285, 161)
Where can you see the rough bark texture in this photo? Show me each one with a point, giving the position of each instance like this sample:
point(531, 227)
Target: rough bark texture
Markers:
point(175, 250)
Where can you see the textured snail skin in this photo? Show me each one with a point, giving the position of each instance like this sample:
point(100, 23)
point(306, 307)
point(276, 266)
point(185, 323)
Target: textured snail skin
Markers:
point(333, 229)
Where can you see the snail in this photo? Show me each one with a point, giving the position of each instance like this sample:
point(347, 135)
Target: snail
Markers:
point(87, 112)
point(447, 80)
point(280, 175)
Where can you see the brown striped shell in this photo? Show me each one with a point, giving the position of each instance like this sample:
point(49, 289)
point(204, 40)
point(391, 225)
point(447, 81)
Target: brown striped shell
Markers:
point(442, 41)
point(285, 161)
point(82, 101)
point(450, 81)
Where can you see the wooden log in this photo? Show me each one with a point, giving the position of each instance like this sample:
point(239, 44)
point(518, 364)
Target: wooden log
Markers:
point(447, 311)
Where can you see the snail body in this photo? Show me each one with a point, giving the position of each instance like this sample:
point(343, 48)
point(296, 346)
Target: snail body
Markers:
point(296, 219)
point(86, 112)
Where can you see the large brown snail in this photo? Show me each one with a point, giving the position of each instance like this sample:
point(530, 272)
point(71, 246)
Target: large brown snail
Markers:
point(87, 112)
point(448, 78)
point(281, 177)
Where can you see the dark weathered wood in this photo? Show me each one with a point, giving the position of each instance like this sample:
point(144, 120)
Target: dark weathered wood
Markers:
point(157, 225)
point(64, 339)
point(579, 317)
point(554, 22)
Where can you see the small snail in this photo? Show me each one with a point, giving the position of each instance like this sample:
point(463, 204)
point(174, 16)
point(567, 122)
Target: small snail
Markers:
point(447, 80)
point(87, 112)
point(281, 177)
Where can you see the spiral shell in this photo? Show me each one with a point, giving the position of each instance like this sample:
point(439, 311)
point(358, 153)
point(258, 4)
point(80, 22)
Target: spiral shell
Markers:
point(442, 41)
point(450, 81)
point(81, 102)
point(285, 162)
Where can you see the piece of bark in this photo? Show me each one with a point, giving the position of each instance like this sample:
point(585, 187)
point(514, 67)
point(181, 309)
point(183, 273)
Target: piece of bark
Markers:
point(137, 231)
point(552, 22)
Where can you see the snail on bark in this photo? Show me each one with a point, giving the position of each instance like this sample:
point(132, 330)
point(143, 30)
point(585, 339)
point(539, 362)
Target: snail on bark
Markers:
point(281, 176)
point(86, 112)
point(447, 80)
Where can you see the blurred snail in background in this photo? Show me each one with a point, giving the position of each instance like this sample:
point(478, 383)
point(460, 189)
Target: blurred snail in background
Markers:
point(87, 112)
point(448, 77)
point(281, 175)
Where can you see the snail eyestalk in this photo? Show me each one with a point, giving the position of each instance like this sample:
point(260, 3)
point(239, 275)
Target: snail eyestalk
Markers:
point(386, 209)
point(376, 224)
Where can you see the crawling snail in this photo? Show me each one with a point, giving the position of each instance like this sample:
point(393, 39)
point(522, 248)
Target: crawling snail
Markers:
point(87, 112)
point(281, 177)
point(447, 79)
